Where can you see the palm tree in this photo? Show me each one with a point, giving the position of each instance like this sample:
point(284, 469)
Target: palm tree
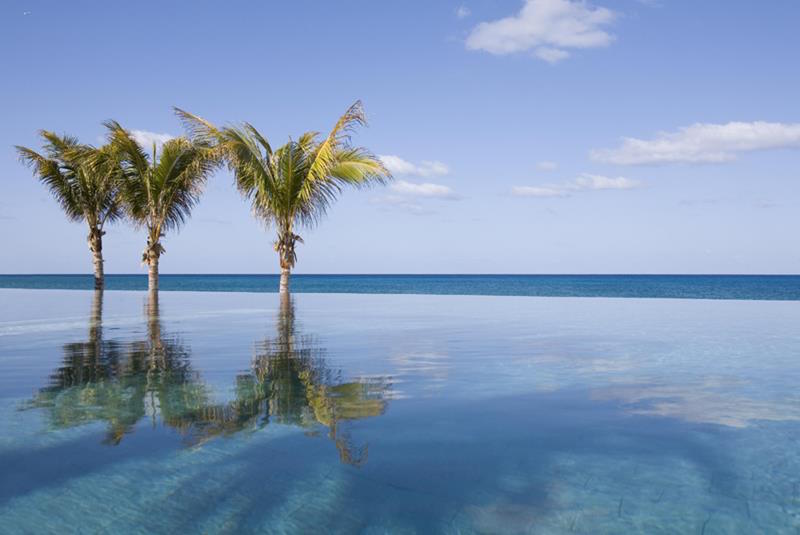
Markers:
point(292, 186)
point(159, 191)
point(85, 182)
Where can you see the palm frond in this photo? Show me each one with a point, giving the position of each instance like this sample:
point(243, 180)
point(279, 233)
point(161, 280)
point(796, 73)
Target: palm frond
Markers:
point(254, 171)
point(325, 154)
point(58, 182)
point(83, 179)
point(355, 166)
point(56, 145)
point(104, 164)
point(136, 186)
point(261, 139)
point(181, 173)
point(199, 130)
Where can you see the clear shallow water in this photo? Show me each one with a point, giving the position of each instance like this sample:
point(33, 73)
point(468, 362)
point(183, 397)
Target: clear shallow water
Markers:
point(225, 412)
point(762, 287)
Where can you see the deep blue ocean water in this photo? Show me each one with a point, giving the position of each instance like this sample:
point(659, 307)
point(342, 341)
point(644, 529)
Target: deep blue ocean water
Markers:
point(762, 287)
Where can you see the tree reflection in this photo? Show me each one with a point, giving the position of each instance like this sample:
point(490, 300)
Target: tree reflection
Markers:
point(92, 383)
point(120, 383)
point(289, 383)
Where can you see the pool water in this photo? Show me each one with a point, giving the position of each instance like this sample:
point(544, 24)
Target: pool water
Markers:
point(237, 412)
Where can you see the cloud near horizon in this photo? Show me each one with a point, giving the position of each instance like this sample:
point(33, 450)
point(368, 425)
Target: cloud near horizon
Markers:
point(702, 143)
point(585, 182)
point(546, 28)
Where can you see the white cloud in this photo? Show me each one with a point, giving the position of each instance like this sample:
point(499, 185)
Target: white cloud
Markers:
point(595, 182)
point(463, 12)
point(433, 191)
point(702, 143)
point(545, 27)
point(547, 166)
point(398, 166)
point(585, 182)
point(410, 196)
point(146, 139)
point(413, 197)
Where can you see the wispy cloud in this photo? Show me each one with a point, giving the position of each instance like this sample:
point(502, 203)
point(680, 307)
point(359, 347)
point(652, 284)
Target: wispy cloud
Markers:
point(707, 201)
point(585, 182)
point(463, 12)
point(146, 139)
point(546, 28)
point(540, 191)
point(427, 189)
point(550, 54)
point(398, 166)
point(404, 204)
point(766, 203)
point(702, 143)
point(547, 166)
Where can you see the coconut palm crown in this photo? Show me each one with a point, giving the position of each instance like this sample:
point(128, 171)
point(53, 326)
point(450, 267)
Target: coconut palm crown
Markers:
point(292, 186)
point(159, 191)
point(85, 182)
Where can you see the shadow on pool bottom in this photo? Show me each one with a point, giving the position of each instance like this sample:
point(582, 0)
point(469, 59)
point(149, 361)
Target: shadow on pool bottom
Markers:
point(558, 460)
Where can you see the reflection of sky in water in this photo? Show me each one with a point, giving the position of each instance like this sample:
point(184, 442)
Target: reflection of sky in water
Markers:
point(419, 413)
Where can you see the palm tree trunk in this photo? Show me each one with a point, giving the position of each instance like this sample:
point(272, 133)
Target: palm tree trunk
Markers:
point(96, 247)
point(284, 287)
point(285, 248)
point(152, 272)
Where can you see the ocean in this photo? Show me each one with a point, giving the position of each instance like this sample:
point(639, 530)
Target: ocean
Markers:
point(749, 287)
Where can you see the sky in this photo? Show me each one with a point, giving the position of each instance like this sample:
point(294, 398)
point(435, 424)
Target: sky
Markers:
point(535, 136)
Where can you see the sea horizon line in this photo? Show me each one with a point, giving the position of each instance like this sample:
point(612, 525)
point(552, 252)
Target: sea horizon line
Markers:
point(413, 274)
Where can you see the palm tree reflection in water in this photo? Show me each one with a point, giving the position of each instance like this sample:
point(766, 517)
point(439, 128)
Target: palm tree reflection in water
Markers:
point(289, 383)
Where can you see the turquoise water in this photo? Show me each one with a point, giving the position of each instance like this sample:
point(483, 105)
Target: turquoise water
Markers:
point(771, 287)
point(235, 412)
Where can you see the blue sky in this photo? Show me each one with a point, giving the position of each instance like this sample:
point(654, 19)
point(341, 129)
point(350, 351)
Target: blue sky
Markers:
point(546, 136)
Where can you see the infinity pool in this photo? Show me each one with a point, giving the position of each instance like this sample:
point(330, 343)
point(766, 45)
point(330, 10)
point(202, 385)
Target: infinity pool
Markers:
point(236, 412)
